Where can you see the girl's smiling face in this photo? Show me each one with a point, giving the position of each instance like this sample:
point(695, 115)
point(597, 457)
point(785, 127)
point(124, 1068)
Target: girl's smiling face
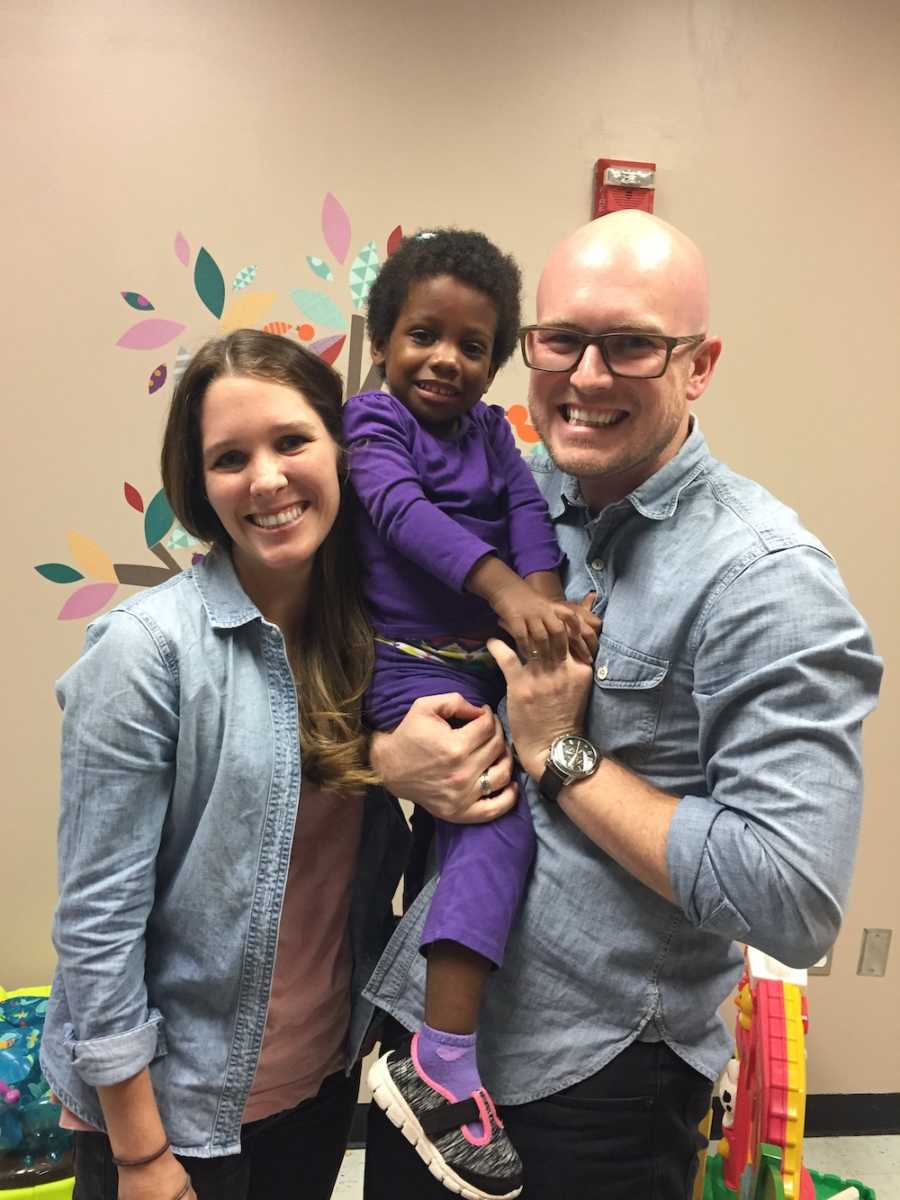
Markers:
point(438, 358)
point(270, 469)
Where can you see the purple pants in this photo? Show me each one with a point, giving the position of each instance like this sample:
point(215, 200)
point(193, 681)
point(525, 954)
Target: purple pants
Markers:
point(483, 867)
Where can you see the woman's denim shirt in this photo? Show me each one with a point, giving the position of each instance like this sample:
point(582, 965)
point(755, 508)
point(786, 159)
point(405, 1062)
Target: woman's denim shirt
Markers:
point(180, 782)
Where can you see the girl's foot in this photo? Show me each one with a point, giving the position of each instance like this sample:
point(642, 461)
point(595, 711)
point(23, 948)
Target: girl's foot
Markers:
point(438, 1122)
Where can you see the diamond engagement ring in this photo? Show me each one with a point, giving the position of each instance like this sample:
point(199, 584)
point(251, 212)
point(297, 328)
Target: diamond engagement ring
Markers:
point(484, 784)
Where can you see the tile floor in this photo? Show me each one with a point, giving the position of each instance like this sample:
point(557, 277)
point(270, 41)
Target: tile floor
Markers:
point(875, 1161)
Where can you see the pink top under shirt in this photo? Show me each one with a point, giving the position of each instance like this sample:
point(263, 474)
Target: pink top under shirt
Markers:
point(309, 1005)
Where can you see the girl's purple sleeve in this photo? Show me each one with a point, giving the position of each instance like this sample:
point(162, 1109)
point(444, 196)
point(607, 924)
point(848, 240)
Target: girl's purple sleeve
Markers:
point(379, 436)
point(532, 539)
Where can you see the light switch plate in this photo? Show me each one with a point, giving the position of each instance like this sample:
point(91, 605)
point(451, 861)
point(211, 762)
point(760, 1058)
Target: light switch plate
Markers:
point(873, 955)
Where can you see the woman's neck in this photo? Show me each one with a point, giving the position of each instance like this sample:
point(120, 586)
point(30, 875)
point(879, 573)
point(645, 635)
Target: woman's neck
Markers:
point(281, 596)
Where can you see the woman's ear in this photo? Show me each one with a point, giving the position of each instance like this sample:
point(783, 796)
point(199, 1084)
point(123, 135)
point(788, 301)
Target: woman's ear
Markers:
point(490, 379)
point(376, 349)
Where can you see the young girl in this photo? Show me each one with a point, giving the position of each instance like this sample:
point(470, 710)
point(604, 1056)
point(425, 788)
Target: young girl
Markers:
point(223, 868)
point(454, 539)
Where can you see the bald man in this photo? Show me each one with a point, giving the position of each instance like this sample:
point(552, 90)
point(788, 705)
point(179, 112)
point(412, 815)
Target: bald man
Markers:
point(699, 787)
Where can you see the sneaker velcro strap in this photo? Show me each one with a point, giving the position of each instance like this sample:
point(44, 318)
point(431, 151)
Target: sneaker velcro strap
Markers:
point(449, 1116)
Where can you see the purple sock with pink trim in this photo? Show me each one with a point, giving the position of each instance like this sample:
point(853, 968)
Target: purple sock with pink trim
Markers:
point(450, 1060)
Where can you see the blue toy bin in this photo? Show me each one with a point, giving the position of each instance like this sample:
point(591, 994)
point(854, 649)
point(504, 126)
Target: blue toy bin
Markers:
point(35, 1154)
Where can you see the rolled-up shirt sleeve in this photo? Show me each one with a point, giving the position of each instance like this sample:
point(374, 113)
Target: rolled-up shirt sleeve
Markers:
point(784, 674)
point(119, 739)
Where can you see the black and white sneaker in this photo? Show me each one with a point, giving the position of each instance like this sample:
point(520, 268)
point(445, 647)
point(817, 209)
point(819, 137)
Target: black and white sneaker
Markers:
point(482, 1168)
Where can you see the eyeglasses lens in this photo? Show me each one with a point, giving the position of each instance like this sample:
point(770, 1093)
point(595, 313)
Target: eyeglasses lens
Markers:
point(635, 355)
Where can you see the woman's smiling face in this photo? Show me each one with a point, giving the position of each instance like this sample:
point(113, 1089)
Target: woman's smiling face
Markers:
point(270, 468)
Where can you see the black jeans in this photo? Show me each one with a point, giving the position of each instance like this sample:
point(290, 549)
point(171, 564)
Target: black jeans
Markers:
point(294, 1153)
point(627, 1133)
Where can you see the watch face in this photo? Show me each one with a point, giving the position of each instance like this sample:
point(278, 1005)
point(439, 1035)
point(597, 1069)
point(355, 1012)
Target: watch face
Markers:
point(575, 755)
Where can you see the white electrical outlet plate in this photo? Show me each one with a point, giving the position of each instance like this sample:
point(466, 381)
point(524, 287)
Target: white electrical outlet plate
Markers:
point(873, 955)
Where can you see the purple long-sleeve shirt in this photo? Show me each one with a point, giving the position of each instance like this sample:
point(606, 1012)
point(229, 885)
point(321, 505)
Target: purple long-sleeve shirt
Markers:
point(431, 507)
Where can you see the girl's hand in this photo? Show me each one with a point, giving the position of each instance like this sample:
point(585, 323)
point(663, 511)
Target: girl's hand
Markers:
point(543, 701)
point(541, 628)
point(583, 643)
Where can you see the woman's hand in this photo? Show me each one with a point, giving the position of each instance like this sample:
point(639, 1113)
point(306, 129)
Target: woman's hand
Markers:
point(439, 765)
point(543, 701)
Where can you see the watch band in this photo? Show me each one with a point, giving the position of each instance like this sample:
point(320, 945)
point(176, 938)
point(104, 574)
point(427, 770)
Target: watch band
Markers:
point(552, 783)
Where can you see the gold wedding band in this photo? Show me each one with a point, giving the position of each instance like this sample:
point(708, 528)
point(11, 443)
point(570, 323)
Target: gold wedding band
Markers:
point(484, 784)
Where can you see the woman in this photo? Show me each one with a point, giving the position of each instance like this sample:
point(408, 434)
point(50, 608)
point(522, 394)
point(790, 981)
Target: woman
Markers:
point(223, 868)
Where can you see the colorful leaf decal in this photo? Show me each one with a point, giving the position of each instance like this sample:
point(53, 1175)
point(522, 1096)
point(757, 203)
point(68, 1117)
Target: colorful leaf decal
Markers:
point(395, 237)
point(87, 601)
point(136, 300)
point(363, 273)
point(209, 282)
point(319, 308)
point(134, 497)
point(180, 539)
point(278, 327)
point(517, 415)
point(319, 267)
point(157, 378)
point(158, 519)
point(247, 310)
point(59, 573)
point(150, 334)
point(182, 358)
point(243, 279)
point(93, 561)
point(335, 227)
point(182, 249)
point(328, 348)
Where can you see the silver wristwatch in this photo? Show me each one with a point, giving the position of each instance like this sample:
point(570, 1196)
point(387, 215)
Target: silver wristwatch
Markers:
point(572, 757)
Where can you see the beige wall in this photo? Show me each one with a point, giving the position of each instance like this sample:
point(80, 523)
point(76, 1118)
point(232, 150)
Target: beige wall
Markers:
point(774, 125)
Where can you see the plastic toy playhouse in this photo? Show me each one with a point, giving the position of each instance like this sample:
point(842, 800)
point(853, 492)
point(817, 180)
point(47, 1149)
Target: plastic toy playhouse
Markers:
point(763, 1094)
point(35, 1154)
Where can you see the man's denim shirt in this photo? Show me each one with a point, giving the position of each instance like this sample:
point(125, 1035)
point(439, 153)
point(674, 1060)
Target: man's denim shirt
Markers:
point(180, 782)
point(734, 673)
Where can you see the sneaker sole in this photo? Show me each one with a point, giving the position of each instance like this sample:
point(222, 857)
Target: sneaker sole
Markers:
point(389, 1099)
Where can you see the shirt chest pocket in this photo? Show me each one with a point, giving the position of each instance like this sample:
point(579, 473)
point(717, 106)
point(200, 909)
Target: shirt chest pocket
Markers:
point(626, 698)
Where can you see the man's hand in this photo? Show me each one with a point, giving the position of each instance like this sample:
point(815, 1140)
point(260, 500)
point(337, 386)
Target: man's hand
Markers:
point(439, 766)
point(543, 701)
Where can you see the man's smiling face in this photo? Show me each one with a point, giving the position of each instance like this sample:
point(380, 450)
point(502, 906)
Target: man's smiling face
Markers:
point(609, 432)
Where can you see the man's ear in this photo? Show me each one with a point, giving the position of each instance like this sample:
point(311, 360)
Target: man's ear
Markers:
point(703, 364)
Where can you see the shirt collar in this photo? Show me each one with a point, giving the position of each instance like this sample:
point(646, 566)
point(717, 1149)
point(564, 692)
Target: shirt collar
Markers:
point(227, 604)
point(656, 498)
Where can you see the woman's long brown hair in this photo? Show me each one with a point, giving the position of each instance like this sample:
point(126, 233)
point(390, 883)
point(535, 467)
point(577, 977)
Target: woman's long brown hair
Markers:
point(332, 654)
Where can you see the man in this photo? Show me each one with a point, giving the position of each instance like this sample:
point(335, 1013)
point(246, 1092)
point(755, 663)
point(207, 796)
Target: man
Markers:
point(716, 796)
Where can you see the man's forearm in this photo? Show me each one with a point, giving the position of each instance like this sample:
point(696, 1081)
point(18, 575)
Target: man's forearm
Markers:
point(627, 818)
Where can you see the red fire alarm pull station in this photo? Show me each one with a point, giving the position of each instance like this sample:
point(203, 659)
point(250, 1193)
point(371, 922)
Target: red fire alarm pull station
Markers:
point(621, 184)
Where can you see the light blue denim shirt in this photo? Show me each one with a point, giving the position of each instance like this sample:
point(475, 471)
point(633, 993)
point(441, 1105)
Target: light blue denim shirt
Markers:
point(734, 673)
point(180, 782)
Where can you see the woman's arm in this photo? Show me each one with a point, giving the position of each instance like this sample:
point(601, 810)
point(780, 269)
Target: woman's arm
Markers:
point(434, 763)
point(135, 1132)
point(120, 733)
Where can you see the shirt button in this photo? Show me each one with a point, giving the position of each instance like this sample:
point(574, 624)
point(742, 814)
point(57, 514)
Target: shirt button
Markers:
point(596, 564)
point(602, 671)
